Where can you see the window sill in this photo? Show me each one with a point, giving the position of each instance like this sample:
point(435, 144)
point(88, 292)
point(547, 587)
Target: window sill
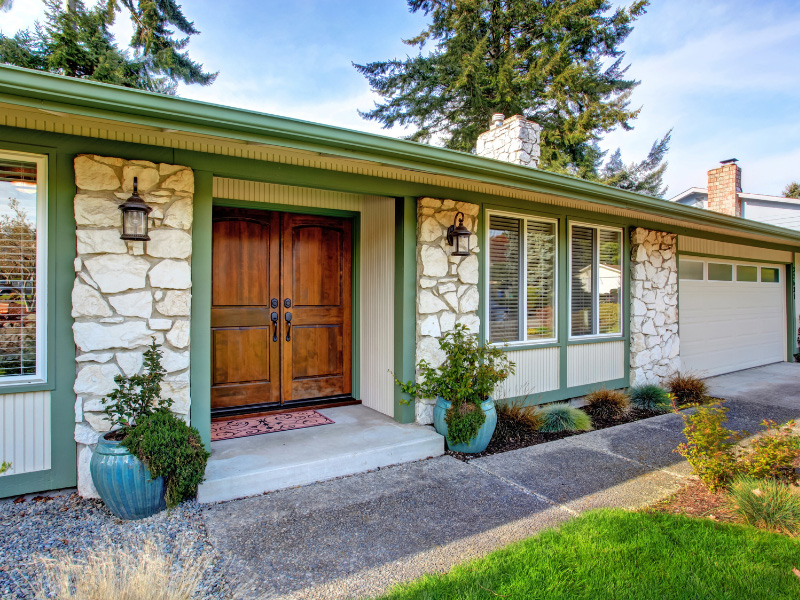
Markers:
point(17, 387)
point(514, 346)
point(596, 339)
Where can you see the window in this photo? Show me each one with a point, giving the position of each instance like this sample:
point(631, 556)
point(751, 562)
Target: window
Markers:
point(22, 268)
point(595, 281)
point(522, 267)
point(770, 275)
point(720, 272)
point(691, 269)
point(746, 273)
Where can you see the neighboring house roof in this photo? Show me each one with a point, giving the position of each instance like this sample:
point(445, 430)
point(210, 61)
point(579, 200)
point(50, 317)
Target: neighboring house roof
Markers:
point(696, 191)
point(59, 95)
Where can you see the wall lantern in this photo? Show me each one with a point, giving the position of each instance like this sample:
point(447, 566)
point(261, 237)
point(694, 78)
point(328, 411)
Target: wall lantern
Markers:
point(458, 237)
point(134, 216)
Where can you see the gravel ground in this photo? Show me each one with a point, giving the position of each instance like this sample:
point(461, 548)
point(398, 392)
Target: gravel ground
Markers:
point(67, 524)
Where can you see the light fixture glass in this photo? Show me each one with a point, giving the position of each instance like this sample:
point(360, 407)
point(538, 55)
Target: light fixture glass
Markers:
point(458, 236)
point(134, 216)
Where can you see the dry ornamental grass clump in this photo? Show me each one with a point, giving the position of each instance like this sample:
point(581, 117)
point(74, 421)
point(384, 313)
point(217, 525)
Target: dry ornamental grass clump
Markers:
point(607, 405)
point(767, 504)
point(688, 388)
point(524, 414)
point(142, 573)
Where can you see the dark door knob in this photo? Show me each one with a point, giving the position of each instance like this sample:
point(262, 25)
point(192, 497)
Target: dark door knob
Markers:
point(275, 324)
point(288, 317)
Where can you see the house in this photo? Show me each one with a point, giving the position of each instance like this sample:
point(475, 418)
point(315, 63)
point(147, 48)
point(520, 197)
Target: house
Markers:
point(254, 217)
point(724, 194)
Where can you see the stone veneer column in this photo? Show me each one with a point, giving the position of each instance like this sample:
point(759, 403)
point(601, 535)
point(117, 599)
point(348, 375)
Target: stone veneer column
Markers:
point(127, 293)
point(655, 347)
point(447, 286)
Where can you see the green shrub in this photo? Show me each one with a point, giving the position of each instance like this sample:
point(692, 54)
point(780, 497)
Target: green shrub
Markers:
point(650, 397)
point(525, 414)
point(467, 377)
point(607, 404)
point(766, 503)
point(773, 455)
point(170, 449)
point(710, 448)
point(560, 417)
point(5, 466)
point(687, 388)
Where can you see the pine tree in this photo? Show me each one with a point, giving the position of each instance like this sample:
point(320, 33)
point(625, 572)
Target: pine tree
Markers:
point(792, 190)
point(76, 41)
point(645, 177)
point(557, 62)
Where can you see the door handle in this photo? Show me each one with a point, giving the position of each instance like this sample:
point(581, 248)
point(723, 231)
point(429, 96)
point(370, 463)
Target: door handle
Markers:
point(288, 317)
point(275, 323)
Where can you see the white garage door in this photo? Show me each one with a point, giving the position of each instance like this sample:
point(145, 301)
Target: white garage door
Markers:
point(732, 315)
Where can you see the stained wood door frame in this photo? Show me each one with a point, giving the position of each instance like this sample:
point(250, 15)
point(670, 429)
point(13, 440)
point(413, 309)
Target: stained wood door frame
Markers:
point(355, 218)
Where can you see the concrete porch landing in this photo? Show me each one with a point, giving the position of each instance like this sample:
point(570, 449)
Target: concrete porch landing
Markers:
point(360, 439)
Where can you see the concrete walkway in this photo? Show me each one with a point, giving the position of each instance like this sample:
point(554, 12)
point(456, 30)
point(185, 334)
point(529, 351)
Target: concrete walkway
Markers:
point(359, 535)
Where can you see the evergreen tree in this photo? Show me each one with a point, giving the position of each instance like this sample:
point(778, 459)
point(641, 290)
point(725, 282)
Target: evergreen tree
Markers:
point(557, 62)
point(645, 177)
point(792, 190)
point(76, 41)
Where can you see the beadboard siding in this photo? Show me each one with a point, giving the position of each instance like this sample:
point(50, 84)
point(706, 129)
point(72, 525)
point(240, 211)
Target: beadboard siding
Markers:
point(25, 431)
point(29, 118)
point(594, 363)
point(377, 272)
point(714, 248)
point(537, 371)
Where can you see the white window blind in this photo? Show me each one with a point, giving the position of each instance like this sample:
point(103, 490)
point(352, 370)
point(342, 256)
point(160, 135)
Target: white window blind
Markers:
point(504, 278)
point(582, 302)
point(595, 281)
point(19, 190)
point(609, 285)
point(522, 265)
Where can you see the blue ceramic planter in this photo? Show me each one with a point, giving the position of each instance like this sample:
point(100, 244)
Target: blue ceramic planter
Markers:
point(480, 441)
point(123, 482)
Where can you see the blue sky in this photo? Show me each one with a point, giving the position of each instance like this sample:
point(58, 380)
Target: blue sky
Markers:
point(725, 75)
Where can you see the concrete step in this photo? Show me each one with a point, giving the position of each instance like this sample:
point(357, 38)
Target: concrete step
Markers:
point(359, 440)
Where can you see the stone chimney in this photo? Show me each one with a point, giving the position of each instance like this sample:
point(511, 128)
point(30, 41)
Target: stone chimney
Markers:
point(724, 187)
point(514, 140)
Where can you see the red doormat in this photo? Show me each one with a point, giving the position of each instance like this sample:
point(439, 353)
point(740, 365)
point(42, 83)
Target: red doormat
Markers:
point(236, 428)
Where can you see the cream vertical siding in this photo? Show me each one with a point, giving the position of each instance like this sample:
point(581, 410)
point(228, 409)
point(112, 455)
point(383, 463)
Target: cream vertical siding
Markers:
point(25, 431)
point(537, 371)
point(593, 363)
point(376, 275)
point(715, 248)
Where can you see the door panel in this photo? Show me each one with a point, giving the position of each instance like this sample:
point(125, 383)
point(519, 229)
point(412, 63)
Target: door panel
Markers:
point(316, 279)
point(244, 279)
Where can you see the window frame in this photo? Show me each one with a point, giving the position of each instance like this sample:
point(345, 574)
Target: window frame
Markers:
point(523, 281)
point(595, 282)
point(42, 178)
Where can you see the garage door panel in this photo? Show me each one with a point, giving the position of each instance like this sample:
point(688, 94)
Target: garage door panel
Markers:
point(729, 326)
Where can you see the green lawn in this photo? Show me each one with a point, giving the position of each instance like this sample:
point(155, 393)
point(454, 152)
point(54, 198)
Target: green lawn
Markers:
point(626, 555)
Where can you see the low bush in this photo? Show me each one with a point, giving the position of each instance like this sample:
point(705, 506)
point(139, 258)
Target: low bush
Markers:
point(687, 388)
point(710, 447)
point(607, 404)
point(519, 412)
point(650, 397)
point(773, 455)
point(170, 449)
point(561, 417)
point(766, 503)
point(5, 466)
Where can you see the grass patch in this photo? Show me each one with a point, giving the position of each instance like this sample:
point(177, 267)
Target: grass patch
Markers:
point(614, 554)
point(561, 416)
point(650, 397)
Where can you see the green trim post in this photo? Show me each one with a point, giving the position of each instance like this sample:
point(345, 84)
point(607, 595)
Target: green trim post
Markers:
point(200, 324)
point(791, 320)
point(405, 301)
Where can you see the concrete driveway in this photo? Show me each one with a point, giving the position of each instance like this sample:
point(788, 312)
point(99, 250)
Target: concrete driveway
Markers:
point(359, 535)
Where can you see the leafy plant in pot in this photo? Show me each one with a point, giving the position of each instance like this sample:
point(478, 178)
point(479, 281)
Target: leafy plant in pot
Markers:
point(463, 385)
point(150, 459)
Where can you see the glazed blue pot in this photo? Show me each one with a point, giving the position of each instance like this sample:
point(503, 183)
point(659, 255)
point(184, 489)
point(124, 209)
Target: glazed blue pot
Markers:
point(123, 482)
point(480, 441)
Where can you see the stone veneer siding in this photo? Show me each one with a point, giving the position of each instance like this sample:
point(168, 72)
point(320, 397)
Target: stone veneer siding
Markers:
point(447, 286)
point(515, 141)
point(655, 346)
point(126, 293)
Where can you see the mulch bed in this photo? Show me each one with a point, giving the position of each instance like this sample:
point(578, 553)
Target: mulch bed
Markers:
point(695, 500)
point(512, 435)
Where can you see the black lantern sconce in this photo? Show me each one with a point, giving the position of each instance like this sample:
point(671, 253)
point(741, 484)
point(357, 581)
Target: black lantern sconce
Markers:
point(458, 237)
point(134, 216)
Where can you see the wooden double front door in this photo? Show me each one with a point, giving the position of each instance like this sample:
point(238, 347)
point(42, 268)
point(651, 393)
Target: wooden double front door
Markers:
point(280, 309)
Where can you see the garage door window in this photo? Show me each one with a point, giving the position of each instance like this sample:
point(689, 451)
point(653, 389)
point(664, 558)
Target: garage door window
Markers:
point(770, 275)
point(720, 272)
point(746, 273)
point(691, 269)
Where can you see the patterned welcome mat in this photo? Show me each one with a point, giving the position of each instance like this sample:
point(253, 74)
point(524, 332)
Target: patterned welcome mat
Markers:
point(236, 428)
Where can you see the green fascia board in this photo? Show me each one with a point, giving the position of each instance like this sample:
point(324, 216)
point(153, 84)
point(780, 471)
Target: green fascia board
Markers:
point(92, 99)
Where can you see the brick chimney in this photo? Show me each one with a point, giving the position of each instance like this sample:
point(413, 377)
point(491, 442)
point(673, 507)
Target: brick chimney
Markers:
point(514, 140)
point(724, 187)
